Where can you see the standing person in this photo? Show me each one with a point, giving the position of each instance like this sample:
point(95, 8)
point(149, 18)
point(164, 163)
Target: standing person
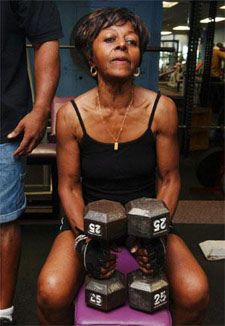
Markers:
point(217, 88)
point(218, 56)
point(22, 124)
point(118, 142)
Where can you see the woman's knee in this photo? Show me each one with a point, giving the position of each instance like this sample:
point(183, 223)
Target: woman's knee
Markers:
point(52, 294)
point(195, 294)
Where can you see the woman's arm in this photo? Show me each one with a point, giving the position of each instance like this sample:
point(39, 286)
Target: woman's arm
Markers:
point(68, 162)
point(168, 178)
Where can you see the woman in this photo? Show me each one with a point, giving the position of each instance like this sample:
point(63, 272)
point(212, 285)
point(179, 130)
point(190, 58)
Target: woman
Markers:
point(122, 140)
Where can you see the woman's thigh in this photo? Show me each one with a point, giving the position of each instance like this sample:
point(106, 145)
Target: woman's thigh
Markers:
point(62, 273)
point(187, 279)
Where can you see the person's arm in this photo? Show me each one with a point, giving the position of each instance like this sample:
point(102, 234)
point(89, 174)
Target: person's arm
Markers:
point(168, 178)
point(68, 163)
point(46, 75)
point(96, 257)
point(221, 54)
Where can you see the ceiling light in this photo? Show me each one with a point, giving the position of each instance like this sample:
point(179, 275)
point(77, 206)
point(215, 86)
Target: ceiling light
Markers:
point(208, 20)
point(167, 4)
point(222, 7)
point(181, 28)
point(166, 32)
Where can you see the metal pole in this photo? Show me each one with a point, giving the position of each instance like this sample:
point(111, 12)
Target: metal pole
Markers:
point(149, 48)
point(194, 35)
point(205, 87)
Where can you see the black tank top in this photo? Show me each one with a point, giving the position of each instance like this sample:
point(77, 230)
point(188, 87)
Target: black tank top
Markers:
point(122, 175)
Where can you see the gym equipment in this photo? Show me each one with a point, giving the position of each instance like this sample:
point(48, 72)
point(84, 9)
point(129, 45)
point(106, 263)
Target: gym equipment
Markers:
point(147, 292)
point(189, 90)
point(147, 221)
point(209, 43)
point(124, 315)
point(147, 218)
point(106, 221)
point(45, 153)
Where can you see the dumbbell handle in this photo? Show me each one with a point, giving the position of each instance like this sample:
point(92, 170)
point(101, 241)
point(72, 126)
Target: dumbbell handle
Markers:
point(95, 295)
point(155, 247)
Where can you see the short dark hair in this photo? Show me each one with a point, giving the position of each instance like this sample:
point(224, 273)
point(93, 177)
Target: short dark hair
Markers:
point(219, 45)
point(88, 27)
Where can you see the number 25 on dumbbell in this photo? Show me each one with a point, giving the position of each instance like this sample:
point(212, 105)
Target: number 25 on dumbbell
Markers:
point(160, 298)
point(96, 299)
point(159, 225)
point(94, 229)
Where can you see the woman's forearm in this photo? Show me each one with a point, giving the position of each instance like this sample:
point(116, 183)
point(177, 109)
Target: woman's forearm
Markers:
point(168, 190)
point(73, 205)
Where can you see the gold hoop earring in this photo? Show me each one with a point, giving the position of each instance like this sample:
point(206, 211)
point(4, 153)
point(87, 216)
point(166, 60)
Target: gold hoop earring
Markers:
point(137, 72)
point(93, 71)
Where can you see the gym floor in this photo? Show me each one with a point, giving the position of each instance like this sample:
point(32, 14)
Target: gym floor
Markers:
point(199, 217)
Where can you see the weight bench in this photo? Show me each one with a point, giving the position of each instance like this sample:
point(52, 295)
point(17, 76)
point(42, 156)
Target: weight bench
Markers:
point(124, 315)
point(45, 153)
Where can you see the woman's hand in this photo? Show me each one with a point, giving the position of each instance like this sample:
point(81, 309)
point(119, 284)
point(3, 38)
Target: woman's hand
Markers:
point(140, 253)
point(150, 254)
point(97, 258)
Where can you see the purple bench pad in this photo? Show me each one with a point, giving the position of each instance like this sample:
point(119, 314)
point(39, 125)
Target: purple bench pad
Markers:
point(121, 316)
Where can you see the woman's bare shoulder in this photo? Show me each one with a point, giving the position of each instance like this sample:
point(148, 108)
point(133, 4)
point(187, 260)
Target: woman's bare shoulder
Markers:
point(145, 93)
point(68, 120)
point(166, 114)
point(82, 101)
point(167, 106)
point(86, 99)
point(144, 98)
point(65, 111)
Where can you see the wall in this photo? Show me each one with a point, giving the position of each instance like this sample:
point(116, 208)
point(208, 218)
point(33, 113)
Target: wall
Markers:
point(219, 35)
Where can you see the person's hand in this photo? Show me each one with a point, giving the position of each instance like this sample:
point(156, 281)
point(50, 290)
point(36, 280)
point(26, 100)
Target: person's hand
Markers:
point(149, 253)
point(140, 253)
point(96, 257)
point(32, 126)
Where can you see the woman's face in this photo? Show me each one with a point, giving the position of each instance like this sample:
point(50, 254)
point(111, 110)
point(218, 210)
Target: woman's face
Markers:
point(116, 51)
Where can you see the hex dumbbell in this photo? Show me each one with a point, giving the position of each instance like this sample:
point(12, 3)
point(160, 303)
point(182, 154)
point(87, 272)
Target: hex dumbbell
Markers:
point(148, 220)
point(106, 221)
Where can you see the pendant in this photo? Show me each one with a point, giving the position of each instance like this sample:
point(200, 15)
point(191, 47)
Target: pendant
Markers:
point(116, 146)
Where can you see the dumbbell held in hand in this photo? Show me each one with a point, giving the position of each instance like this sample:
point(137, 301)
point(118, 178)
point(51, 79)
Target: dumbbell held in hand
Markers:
point(104, 222)
point(147, 218)
point(148, 224)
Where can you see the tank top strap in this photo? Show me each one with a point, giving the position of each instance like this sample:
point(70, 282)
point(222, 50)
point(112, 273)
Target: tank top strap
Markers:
point(79, 116)
point(153, 109)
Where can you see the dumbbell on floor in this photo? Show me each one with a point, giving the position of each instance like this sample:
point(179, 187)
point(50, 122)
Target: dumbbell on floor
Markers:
point(106, 221)
point(148, 220)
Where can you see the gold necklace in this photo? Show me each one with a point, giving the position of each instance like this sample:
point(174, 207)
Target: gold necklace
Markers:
point(116, 139)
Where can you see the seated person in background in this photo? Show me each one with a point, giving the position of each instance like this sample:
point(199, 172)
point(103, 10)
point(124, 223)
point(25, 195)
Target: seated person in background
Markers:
point(121, 140)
